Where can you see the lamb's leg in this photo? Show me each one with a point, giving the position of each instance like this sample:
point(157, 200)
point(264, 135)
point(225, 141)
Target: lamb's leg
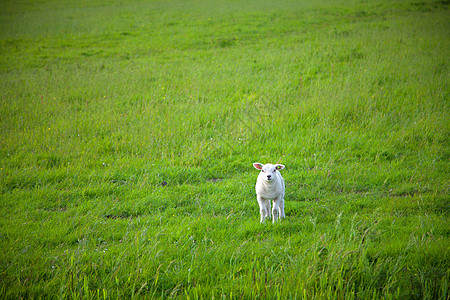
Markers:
point(262, 208)
point(282, 208)
point(267, 208)
point(275, 210)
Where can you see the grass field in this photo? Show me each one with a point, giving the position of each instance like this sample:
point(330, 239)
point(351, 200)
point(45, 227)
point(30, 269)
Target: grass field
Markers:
point(129, 129)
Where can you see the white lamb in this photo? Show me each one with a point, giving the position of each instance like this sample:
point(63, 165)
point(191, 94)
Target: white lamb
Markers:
point(270, 186)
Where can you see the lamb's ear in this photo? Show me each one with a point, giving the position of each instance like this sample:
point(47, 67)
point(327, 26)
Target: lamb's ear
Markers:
point(258, 166)
point(279, 167)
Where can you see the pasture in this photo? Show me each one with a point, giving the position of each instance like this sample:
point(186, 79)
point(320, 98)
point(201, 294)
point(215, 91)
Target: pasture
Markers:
point(128, 130)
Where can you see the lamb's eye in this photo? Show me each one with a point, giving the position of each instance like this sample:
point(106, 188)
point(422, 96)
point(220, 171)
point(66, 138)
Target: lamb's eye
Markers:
point(274, 171)
point(262, 171)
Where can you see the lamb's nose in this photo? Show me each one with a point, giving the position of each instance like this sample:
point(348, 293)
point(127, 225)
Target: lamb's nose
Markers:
point(269, 176)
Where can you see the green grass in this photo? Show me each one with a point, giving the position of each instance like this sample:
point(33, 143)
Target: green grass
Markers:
point(129, 129)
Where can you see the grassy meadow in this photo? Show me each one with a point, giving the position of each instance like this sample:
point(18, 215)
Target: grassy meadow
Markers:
point(128, 130)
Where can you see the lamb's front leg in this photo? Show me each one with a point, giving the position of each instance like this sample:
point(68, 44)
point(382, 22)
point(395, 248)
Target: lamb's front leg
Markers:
point(276, 209)
point(281, 210)
point(264, 208)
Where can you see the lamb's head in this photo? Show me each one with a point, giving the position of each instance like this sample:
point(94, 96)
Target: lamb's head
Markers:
point(268, 171)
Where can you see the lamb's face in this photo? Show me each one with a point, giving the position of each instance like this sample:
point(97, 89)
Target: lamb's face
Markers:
point(268, 171)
